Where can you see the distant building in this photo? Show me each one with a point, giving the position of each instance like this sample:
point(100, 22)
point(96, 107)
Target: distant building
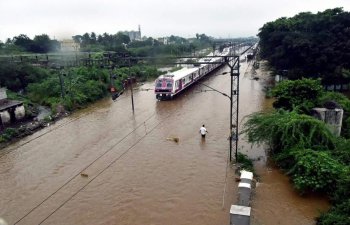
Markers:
point(134, 35)
point(69, 45)
point(163, 40)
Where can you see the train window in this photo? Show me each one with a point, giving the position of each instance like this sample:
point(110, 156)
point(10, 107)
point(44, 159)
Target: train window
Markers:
point(169, 84)
point(159, 84)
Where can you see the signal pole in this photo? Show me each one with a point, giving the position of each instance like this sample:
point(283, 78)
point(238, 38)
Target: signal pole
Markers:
point(234, 103)
point(132, 93)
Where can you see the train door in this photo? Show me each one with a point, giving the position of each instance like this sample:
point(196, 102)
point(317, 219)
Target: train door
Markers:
point(180, 84)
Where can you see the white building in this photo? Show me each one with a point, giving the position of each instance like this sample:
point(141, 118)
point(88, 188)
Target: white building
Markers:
point(134, 35)
point(69, 45)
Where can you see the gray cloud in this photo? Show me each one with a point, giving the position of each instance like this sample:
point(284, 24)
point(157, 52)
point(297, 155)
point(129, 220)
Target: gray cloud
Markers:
point(220, 18)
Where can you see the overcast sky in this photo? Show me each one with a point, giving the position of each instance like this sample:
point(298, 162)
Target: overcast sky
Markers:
point(157, 18)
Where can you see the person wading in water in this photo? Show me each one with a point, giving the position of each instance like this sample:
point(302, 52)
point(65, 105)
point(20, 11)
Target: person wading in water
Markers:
point(203, 131)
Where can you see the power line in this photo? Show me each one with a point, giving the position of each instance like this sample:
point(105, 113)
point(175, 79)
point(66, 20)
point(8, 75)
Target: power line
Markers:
point(108, 166)
point(108, 150)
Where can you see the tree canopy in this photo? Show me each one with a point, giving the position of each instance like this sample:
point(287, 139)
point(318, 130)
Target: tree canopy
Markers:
point(309, 45)
point(303, 93)
point(107, 42)
point(40, 44)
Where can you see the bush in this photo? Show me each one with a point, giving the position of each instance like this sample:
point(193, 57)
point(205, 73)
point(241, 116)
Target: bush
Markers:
point(43, 91)
point(283, 130)
point(342, 151)
point(9, 133)
point(315, 171)
point(337, 215)
point(245, 162)
point(16, 77)
point(343, 186)
point(303, 93)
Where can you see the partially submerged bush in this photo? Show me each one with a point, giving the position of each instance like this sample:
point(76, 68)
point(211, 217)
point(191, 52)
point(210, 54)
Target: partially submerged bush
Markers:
point(282, 130)
point(337, 215)
point(315, 159)
point(245, 162)
point(315, 170)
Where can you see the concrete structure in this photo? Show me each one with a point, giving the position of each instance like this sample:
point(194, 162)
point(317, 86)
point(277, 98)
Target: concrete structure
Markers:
point(332, 117)
point(240, 213)
point(10, 110)
point(338, 87)
point(20, 112)
point(279, 78)
point(246, 177)
point(3, 95)
point(69, 45)
point(244, 191)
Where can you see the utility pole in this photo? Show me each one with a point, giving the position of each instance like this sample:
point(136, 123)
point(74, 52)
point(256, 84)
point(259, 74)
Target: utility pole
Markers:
point(131, 88)
point(132, 94)
point(60, 73)
point(233, 62)
point(234, 103)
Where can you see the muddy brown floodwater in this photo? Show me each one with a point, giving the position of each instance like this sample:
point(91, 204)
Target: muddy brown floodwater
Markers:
point(133, 173)
point(275, 202)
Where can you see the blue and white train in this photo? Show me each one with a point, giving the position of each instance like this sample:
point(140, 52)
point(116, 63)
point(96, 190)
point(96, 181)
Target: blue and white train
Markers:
point(169, 85)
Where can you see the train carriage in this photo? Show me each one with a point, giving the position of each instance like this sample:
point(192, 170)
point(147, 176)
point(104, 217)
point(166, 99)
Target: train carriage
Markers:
point(169, 85)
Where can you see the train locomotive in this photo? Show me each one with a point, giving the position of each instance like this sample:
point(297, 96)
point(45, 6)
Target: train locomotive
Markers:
point(169, 85)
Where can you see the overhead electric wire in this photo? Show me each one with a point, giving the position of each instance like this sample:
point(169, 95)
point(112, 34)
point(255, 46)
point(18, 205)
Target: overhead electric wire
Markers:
point(108, 166)
point(67, 182)
point(55, 128)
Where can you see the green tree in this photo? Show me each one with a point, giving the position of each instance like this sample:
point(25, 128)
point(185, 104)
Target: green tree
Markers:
point(23, 41)
point(43, 44)
point(303, 93)
point(309, 45)
point(17, 77)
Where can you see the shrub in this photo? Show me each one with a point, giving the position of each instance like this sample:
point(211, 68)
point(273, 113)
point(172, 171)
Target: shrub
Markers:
point(282, 130)
point(343, 186)
point(337, 215)
point(342, 151)
point(303, 93)
point(315, 170)
point(9, 133)
point(245, 162)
